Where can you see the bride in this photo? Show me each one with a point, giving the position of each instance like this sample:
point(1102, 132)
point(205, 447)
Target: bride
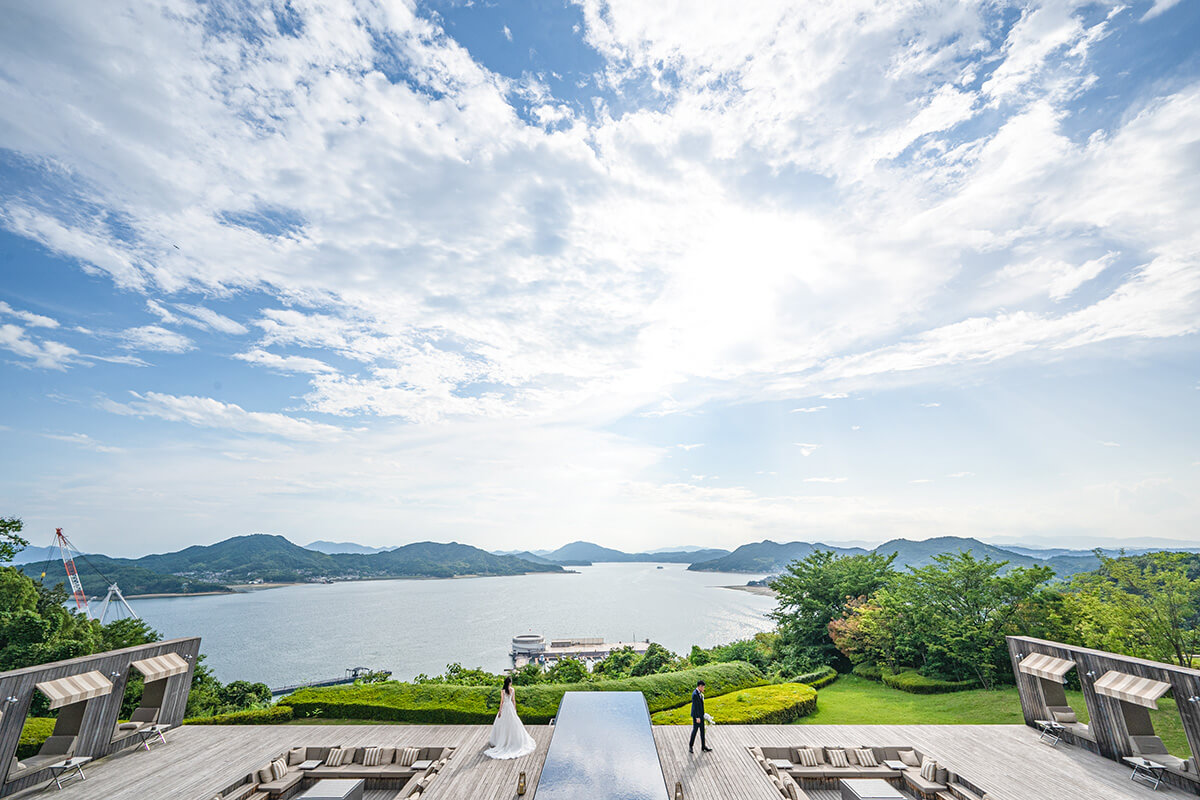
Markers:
point(509, 739)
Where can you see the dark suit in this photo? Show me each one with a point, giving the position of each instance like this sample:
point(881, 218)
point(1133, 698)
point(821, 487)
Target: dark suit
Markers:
point(697, 719)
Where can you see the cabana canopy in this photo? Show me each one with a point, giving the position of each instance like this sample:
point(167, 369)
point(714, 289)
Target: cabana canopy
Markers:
point(1043, 666)
point(1131, 689)
point(159, 667)
point(65, 691)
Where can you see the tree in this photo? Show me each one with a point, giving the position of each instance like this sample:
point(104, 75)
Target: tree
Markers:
point(238, 695)
point(11, 542)
point(656, 659)
point(950, 618)
point(617, 663)
point(699, 657)
point(566, 670)
point(1146, 605)
point(814, 591)
point(528, 675)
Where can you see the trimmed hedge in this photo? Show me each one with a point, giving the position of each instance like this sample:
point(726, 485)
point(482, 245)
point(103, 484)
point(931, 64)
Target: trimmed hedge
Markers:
point(272, 715)
point(916, 683)
point(911, 681)
point(433, 703)
point(36, 731)
point(777, 704)
point(871, 672)
point(817, 678)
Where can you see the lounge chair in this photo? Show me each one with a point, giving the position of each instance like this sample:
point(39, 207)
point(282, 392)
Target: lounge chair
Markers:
point(53, 750)
point(1152, 747)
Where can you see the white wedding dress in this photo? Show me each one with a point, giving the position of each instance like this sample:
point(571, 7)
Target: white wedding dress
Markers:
point(509, 739)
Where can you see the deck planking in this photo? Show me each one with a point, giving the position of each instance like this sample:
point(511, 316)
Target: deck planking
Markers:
point(1006, 760)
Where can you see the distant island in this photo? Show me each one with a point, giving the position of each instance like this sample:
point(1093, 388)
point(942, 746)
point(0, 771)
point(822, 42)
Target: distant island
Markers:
point(266, 559)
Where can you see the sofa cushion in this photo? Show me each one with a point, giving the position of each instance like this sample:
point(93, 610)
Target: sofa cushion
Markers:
point(805, 757)
point(265, 775)
point(57, 746)
point(929, 770)
point(129, 726)
point(909, 758)
point(837, 758)
point(387, 755)
point(405, 756)
point(372, 756)
point(282, 784)
point(295, 756)
point(336, 757)
point(278, 769)
point(866, 757)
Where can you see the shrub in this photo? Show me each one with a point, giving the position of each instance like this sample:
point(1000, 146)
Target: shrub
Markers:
point(777, 704)
point(916, 683)
point(35, 732)
point(871, 672)
point(817, 678)
point(272, 715)
point(433, 703)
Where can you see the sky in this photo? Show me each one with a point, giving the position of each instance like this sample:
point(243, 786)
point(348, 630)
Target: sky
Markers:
point(648, 274)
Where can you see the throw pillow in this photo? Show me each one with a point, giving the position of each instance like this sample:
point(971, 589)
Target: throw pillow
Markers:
point(909, 758)
point(1064, 716)
point(866, 758)
point(929, 770)
point(793, 791)
point(295, 756)
point(807, 757)
point(778, 782)
point(372, 756)
point(406, 756)
point(278, 769)
point(336, 757)
point(264, 774)
point(837, 758)
point(771, 768)
point(387, 755)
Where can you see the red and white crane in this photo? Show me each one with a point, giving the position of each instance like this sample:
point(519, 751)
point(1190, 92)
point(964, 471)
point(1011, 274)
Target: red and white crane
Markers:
point(68, 552)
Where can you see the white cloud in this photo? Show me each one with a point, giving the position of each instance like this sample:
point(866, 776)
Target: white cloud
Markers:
point(207, 318)
point(856, 427)
point(809, 410)
point(44, 353)
point(27, 317)
point(156, 338)
point(205, 412)
point(1110, 444)
point(961, 475)
point(1159, 7)
point(931, 405)
point(834, 396)
point(825, 480)
point(806, 449)
point(921, 480)
point(507, 33)
point(84, 441)
point(285, 364)
point(688, 446)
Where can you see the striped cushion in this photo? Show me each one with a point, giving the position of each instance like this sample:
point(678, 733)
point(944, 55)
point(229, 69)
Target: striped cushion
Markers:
point(792, 790)
point(336, 757)
point(929, 770)
point(278, 769)
point(771, 768)
point(866, 758)
point(837, 758)
point(808, 757)
point(406, 756)
point(372, 756)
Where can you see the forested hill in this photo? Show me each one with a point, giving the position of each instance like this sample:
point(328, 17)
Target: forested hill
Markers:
point(268, 558)
point(588, 552)
point(768, 556)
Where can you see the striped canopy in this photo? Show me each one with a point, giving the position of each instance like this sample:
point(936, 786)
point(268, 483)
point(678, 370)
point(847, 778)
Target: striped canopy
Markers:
point(1044, 666)
point(65, 691)
point(1131, 689)
point(159, 667)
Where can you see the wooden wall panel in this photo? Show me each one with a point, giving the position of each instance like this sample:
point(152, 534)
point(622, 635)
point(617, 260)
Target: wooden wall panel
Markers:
point(100, 716)
point(1106, 723)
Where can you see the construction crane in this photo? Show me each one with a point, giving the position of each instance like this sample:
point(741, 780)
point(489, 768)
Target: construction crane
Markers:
point(68, 552)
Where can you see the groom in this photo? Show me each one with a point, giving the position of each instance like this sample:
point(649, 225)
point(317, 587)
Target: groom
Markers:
point(698, 719)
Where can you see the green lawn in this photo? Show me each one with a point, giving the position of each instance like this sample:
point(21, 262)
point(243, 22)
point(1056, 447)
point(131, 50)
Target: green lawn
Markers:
point(852, 700)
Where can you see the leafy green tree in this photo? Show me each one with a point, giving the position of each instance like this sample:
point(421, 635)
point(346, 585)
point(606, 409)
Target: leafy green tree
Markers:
point(617, 664)
point(1146, 606)
point(528, 675)
point(699, 657)
point(950, 618)
point(11, 542)
point(656, 659)
point(567, 670)
point(239, 695)
point(814, 591)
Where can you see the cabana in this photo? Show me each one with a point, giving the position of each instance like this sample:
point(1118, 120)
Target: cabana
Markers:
point(156, 672)
point(70, 696)
point(1050, 673)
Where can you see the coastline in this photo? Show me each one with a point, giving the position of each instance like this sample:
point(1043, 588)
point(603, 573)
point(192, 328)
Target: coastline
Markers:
point(764, 591)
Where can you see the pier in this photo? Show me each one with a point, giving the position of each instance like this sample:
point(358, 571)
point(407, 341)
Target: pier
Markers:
point(352, 674)
point(532, 648)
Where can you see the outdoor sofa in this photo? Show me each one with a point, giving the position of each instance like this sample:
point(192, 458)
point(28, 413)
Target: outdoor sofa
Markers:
point(944, 784)
point(52, 751)
point(393, 771)
point(1152, 747)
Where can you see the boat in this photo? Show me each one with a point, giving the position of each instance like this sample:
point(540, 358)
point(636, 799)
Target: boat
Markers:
point(659, 566)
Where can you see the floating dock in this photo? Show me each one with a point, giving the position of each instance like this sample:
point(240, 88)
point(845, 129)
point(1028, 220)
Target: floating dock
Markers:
point(352, 674)
point(532, 648)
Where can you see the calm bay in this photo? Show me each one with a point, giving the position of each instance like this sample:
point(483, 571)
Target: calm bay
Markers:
point(295, 633)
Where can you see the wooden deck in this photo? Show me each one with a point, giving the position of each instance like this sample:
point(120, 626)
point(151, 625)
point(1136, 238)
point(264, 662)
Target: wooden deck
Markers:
point(1006, 760)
